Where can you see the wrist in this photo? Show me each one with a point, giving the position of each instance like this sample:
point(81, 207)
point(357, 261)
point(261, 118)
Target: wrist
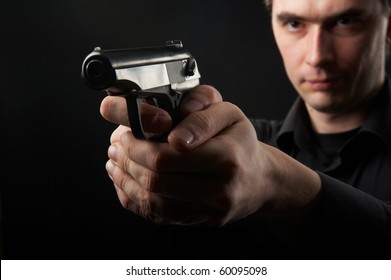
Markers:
point(291, 187)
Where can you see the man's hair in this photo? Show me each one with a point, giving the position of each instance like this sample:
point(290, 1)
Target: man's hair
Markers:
point(386, 3)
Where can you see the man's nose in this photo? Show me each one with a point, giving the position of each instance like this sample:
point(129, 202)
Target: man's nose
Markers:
point(319, 47)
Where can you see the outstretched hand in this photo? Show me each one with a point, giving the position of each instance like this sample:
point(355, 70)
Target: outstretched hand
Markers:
point(212, 170)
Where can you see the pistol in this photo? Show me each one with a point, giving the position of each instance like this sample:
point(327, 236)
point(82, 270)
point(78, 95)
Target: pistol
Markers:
point(158, 76)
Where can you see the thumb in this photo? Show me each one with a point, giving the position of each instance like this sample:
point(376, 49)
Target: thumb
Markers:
point(199, 98)
point(200, 126)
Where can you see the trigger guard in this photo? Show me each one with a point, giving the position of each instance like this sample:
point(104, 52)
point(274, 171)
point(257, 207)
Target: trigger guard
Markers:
point(168, 102)
point(134, 116)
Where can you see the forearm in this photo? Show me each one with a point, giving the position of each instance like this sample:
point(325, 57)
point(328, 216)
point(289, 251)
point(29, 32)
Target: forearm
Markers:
point(292, 189)
point(305, 207)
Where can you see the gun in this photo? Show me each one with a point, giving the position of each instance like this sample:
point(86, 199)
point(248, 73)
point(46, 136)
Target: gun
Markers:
point(159, 76)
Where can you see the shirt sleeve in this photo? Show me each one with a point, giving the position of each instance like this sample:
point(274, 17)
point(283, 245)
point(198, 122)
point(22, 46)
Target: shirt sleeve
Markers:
point(349, 220)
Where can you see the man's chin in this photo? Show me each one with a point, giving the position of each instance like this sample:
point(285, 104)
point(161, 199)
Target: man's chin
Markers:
point(322, 102)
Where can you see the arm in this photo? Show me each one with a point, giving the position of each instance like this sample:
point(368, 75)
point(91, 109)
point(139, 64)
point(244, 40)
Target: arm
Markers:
point(213, 170)
point(208, 166)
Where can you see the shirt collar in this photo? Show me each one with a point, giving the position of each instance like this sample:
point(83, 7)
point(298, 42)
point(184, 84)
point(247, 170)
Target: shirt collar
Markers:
point(379, 119)
point(297, 125)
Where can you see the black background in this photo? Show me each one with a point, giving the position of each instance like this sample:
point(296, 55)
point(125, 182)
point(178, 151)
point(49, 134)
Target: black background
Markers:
point(57, 200)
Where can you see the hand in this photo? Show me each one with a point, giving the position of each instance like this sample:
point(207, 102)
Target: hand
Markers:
point(156, 120)
point(212, 170)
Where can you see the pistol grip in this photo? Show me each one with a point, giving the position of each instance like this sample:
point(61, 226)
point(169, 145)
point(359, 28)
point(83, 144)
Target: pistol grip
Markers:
point(168, 102)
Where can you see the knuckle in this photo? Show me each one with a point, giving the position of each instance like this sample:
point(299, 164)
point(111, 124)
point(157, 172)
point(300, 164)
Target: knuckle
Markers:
point(150, 180)
point(127, 164)
point(116, 135)
point(125, 202)
point(146, 205)
point(124, 183)
point(157, 160)
point(147, 178)
point(231, 162)
point(149, 208)
point(211, 93)
point(203, 121)
point(226, 206)
point(234, 109)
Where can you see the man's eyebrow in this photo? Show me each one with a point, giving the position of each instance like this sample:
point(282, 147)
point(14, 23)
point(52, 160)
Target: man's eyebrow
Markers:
point(288, 16)
point(353, 12)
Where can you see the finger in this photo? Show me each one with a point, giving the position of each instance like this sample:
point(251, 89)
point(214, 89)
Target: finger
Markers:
point(127, 186)
point(191, 186)
point(123, 198)
point(154, 120)
point(194, 188)
point(156, 208)
point(116, 135)
point(114, 109)
point(166, 157)
point(200, 126)
point(199, 98)
point(162, 157)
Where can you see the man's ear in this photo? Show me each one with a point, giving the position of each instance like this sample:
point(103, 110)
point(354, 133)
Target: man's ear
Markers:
point(389, 31)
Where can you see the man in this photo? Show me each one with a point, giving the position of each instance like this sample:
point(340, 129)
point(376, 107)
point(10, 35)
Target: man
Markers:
point(327, 188)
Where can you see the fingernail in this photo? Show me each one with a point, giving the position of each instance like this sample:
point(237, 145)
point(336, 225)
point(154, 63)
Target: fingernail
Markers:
point(183, 135)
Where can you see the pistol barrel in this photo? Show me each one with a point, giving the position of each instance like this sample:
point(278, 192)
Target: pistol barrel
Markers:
point(157, 76)
point(99, 69)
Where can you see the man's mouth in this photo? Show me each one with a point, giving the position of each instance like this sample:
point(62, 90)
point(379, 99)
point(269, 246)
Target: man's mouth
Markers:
point(324, 84)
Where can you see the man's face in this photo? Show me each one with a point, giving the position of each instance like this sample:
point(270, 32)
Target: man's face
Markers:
point(333, 50)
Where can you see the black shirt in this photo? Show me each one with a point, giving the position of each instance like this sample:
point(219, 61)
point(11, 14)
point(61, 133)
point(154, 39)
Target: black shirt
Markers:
point(353, 218)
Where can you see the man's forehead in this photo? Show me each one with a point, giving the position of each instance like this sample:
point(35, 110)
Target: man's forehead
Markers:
point(324, 8)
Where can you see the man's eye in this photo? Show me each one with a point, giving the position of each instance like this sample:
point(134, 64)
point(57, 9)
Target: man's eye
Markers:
point(294, 25)
point(347, 26)
point(345, 21)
